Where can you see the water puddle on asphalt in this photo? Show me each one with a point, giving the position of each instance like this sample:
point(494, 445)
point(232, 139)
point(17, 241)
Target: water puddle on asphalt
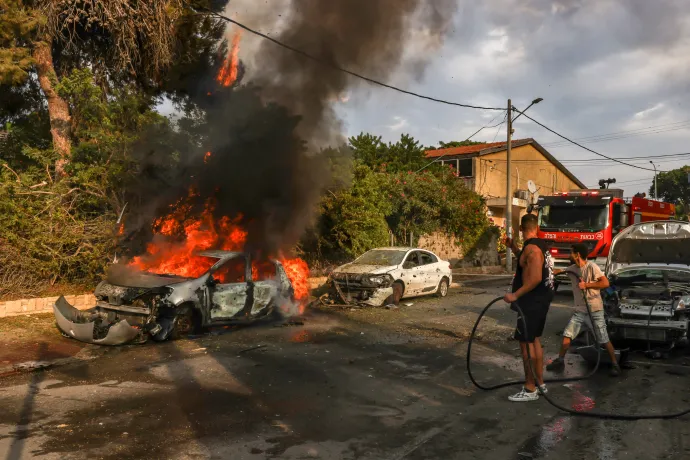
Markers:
point(557, 429)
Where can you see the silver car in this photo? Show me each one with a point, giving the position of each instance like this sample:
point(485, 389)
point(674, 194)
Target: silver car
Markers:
point(649, 270)
point(134, 305)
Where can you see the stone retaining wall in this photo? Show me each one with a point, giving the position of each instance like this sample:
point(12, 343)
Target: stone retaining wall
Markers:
point(82, 302)
point(43, 305)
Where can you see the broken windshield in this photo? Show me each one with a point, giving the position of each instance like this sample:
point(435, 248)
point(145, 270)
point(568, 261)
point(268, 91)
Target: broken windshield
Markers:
point(577, 218)
point(381, 257)
point(191, 267)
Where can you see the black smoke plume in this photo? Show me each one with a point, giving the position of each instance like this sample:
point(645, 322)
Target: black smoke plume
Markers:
point(264, 133)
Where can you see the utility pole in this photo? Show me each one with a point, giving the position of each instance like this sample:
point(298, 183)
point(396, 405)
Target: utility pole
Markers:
point(656, 196)
point(509, 188)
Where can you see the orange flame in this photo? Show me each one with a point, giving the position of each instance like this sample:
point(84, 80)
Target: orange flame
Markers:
point(178, 237)
point(228, 72)
point(121, 230)
point(298, 271)
point(207, 156)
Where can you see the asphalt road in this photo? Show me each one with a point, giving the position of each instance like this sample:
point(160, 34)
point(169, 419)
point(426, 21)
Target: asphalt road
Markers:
point(347, 384)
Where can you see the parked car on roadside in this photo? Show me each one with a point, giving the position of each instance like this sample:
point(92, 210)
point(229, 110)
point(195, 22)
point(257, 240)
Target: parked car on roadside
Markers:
point(649, 270)
point(385, 275)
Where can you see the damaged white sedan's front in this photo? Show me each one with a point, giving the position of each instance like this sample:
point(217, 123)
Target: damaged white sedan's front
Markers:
point(386, 275)
point(133, 305)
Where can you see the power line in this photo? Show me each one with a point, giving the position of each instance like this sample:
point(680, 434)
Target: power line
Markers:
point(645, 157)
point(470, 137)
point(625, 134)
point(341, 69)
point(582, 146)
point(499, 127)
point(603, 162)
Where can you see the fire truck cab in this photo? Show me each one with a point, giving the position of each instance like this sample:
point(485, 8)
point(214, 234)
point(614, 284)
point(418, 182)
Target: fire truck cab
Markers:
point(592, 217)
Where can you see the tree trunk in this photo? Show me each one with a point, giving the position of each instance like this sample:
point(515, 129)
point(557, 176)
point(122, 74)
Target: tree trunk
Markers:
point(58, 110)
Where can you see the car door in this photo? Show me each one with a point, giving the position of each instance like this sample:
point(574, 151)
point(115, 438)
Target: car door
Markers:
point(229, 289)
point(430, 272)
point(412, 274)
point(266, 281)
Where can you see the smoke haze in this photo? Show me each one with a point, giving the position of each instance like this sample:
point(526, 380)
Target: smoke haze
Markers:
point(264, 133)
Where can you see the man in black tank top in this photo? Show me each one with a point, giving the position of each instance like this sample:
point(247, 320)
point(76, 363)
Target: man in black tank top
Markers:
point(532, 291)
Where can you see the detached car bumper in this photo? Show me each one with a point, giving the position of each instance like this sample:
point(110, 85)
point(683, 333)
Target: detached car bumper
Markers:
point(81, 324)
point(641, 329)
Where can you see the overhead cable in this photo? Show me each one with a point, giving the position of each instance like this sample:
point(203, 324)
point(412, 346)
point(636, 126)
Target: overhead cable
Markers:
point(341, 69)
point(582, 146)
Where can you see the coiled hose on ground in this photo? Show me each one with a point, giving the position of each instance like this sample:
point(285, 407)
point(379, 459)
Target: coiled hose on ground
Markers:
point(590, 414)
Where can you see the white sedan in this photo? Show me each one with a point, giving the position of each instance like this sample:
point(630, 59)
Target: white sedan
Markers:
point(386, 275)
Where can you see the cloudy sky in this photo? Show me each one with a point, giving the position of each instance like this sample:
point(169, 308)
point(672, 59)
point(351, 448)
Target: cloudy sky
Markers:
point(617, 69)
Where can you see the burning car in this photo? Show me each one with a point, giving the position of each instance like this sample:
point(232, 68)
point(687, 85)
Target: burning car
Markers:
point(649, 270)
point(133, 304)
point(386, 275)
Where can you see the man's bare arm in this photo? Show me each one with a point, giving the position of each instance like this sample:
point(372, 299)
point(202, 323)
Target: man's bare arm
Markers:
point(512, 245)
point(601, 283)
point(532, 266)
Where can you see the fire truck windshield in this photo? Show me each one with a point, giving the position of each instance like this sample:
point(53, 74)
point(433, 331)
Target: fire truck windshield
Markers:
point(573, 218)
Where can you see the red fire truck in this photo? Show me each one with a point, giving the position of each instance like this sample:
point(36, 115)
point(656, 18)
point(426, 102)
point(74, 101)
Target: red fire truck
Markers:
point(592, 217)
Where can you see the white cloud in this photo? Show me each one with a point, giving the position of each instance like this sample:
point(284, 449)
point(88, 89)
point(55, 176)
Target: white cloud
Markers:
point(399, 124)
point(650, 112)
point(602, 66)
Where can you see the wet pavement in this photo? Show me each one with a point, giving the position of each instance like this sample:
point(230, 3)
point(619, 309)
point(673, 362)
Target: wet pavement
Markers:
point(346, 384)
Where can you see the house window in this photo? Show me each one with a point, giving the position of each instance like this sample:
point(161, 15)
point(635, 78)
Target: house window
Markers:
point(452, 163)
point(465, 169)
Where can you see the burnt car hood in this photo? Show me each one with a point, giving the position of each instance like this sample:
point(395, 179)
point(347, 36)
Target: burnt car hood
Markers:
point(659, 243)
point(360, 269)
point(120, 275)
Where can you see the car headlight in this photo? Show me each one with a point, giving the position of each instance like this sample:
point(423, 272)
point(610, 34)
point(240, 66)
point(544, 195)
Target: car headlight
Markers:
point(683, 303)
point(381, 280)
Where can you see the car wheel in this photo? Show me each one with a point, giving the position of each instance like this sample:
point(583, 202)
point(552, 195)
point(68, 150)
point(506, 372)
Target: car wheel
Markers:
point(184, 325)
point(180, 326)
point(442, 290)
point(398, 290)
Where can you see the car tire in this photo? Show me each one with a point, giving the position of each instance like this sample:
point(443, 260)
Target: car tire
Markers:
point(184, 325)
point(442, 289)
point(398, 290)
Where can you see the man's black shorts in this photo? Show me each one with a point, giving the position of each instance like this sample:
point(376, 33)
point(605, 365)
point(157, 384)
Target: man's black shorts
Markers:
point(535, 317)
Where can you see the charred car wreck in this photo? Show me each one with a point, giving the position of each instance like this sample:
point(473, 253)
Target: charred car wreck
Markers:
point(385, 275)
point(134, 305)
point(649, 270)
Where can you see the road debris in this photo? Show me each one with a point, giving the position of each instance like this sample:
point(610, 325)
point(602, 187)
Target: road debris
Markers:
point(32, 365)
point(251, 349)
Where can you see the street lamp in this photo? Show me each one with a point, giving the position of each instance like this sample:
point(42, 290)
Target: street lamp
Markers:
point(656, 196)
point(509, 187)
point(536, 101)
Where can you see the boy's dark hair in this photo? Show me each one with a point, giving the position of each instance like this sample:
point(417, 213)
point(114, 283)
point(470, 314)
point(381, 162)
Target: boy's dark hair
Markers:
point(529, 222)
point(581, 249)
